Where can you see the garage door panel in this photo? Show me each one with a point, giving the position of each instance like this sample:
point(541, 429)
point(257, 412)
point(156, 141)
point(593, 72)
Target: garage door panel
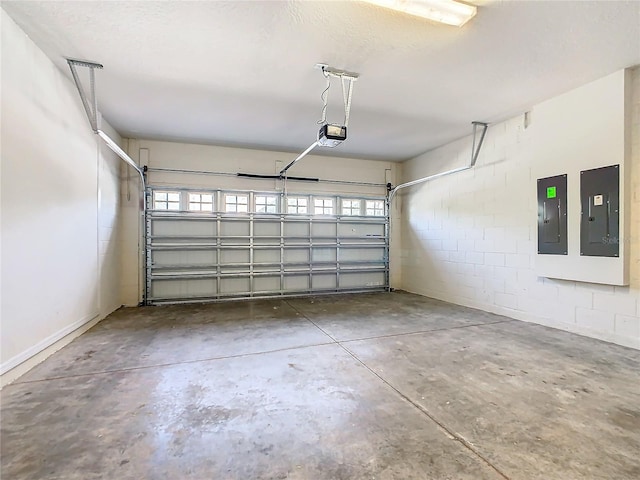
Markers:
point(175, 226)
point(296, 255)
point(234, 256)
point(296, 283)
point(266, 256)
point(296, 228)
point(266, 284)
point(182, 288)
point(324, 254)
point(235, 228)
point(359, 279)
point(362, 254)
point(323, 229)
point(189, 258)
point(235, 285)
point(270, 229)
point(324, 282)
point(346, 229)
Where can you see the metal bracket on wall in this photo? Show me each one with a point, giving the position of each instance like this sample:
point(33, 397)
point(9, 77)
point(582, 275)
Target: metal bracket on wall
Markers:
point(90, 103)
point(475, 151)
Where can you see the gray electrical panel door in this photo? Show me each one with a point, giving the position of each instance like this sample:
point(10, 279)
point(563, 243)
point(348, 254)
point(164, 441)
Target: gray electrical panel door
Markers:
point(552, 215)
point(600, 214)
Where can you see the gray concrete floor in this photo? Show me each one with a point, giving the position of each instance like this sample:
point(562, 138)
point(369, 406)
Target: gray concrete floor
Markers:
point(376, 386)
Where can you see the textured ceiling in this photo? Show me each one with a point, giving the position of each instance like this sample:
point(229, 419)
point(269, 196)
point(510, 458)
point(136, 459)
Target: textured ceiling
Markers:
point(241, 73)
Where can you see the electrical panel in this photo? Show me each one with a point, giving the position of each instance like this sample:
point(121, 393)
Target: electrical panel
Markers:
point(600, 212)
point(552, 215)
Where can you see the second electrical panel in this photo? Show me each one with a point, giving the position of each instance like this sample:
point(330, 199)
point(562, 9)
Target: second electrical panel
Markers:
point(600, 215)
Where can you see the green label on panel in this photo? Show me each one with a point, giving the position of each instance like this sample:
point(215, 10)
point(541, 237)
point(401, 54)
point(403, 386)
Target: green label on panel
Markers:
point(551, 192)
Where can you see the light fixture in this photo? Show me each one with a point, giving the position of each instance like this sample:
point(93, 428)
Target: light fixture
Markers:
point(449, 12)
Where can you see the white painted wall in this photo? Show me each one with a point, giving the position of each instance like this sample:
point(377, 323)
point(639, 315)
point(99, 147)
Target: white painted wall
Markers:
point(59, 192)
point(108, 223)
point(234, 160)
point(470, 238)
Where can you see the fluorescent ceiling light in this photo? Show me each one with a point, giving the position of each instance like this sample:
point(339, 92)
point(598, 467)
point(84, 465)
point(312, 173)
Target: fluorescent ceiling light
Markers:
point(449, 12)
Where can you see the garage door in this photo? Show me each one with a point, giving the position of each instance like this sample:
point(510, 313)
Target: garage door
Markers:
point(204, 245)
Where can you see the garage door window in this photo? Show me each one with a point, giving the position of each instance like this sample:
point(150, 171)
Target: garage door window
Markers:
point(266, 204)
point(166, 200)
point(236, 203)
point(351, 207)
point(323, 206)
point(296, 205)
point(375, 208)
point(200, 202)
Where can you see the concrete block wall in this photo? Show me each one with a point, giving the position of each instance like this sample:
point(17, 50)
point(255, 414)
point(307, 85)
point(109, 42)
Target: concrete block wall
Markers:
point(471, 238)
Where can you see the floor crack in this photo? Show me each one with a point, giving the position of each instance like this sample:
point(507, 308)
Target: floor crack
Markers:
point(453, 435)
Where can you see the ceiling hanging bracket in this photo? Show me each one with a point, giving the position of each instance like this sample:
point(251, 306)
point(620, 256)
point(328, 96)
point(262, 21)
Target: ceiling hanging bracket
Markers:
point(346, 79)
point(335, 72)
point(475, 151)
point(89, 102)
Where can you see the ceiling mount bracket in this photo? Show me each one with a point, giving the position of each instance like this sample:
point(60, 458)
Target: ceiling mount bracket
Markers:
point(476, 151)
point(346, 78)
point(336, 72)
point(90, 104)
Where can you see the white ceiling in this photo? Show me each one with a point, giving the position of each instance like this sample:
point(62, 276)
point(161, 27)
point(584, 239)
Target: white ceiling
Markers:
point(241, 72)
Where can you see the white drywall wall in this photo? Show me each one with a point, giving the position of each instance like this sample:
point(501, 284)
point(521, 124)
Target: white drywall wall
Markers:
point(108, 223)
point(471, 238)
point(59, 209)
point(234, 160)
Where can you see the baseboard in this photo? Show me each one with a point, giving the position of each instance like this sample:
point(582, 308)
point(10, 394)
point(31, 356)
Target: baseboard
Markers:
point(25, 361)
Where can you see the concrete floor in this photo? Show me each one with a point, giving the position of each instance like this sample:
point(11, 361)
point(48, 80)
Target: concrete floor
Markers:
point(377, 386)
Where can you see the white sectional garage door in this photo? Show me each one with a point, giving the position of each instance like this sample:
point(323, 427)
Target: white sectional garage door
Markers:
point(211, 245)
